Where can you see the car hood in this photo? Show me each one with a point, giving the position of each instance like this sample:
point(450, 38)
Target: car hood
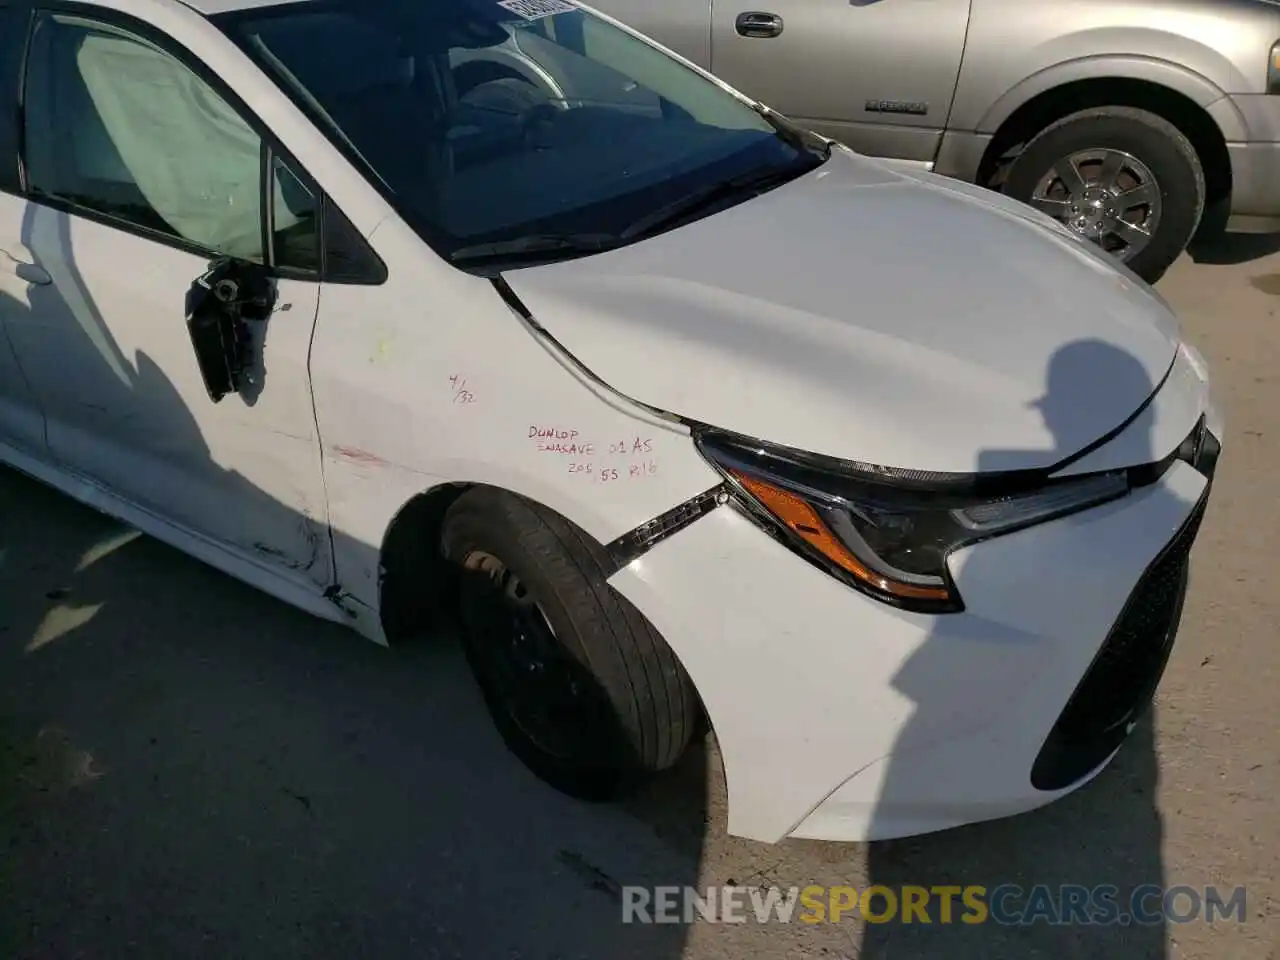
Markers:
point(904, 320)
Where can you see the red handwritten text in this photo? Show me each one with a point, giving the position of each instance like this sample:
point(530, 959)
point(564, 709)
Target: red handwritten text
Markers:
point(631, 447)
point(552, 433)
point(584, 456)
point(564, 442)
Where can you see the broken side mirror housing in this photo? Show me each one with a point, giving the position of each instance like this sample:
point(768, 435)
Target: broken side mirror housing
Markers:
point(221, 303)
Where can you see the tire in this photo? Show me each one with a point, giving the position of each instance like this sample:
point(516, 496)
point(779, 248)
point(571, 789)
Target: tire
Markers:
point(635, 710)
point(1155, 143)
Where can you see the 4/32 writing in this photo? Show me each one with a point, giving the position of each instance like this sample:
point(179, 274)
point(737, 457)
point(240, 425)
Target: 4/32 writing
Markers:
point(460, 392)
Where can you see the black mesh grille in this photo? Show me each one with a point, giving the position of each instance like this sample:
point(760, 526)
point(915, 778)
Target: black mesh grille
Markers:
point(1123, 677)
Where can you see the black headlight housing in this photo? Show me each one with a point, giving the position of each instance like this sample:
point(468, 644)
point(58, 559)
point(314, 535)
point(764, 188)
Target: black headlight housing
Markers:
point(889, 533)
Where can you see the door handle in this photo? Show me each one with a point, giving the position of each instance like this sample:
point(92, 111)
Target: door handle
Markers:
point(24, 269)
point(758, 25)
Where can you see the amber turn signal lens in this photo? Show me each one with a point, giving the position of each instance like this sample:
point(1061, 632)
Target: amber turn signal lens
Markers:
point(802, 520)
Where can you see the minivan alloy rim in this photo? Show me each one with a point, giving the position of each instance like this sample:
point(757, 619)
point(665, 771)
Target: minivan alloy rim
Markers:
point(1105, 195)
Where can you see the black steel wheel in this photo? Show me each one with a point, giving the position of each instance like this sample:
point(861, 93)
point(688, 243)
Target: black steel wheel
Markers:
point(579, 684)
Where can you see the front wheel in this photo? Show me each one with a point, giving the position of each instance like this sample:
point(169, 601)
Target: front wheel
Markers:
point(1124, 178)
point(579, 684)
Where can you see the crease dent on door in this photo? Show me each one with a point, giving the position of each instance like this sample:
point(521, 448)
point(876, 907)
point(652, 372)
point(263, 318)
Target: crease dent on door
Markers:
point(138, 170)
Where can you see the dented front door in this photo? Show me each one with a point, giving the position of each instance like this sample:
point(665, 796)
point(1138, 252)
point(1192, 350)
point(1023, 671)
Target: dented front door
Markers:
point(105, 346)
point(138, 171)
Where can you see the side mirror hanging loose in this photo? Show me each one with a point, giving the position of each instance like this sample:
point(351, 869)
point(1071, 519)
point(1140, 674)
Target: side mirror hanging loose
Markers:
point(220, 305)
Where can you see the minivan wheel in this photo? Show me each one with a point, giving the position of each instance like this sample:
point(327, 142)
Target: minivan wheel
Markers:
point(580, 685)
point(1124, 178)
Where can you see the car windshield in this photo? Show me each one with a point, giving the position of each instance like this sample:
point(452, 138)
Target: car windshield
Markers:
point(516, 129)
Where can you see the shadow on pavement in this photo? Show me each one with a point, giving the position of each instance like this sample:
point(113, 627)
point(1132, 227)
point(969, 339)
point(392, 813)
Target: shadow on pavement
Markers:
point(1107, 833)
point(1213, 245)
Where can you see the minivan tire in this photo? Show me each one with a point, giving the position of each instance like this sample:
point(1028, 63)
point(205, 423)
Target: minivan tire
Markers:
point(1155, 142)
point(614, 704)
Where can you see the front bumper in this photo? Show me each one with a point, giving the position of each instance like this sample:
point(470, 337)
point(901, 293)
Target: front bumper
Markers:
point(1123, 676)
point(840, 718)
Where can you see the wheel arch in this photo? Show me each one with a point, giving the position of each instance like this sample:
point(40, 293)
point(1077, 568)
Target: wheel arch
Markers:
point(409, 556)
point(1015, 120)
point(1106, 68)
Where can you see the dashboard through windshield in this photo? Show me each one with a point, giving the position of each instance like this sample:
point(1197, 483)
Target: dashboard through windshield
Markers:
point(516, 129)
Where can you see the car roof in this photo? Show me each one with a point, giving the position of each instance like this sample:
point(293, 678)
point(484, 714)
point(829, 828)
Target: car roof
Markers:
point(211, 8)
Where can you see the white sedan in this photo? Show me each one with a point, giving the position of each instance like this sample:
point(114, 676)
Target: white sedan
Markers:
point(692, 415)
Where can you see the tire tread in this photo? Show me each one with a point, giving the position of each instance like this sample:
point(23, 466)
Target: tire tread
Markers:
point(1116, 122)
point(645, 681)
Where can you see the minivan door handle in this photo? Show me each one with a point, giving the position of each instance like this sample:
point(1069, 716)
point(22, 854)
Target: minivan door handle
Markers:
point(24, 269)
point(758, 25)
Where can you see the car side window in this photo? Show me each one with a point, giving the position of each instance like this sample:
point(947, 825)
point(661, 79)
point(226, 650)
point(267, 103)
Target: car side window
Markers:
point(118, 127)
point(12, 38)
point(294, 227)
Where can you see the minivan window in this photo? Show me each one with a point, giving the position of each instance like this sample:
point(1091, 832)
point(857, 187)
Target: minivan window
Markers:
point(517, 126)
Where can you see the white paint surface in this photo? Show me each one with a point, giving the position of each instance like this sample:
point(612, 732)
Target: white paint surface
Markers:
point(855, 312)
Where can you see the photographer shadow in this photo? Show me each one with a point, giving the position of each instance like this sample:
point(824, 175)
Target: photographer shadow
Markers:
point(1106, 833)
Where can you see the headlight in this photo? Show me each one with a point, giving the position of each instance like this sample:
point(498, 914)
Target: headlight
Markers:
point(888, 533)
point(1273, 70)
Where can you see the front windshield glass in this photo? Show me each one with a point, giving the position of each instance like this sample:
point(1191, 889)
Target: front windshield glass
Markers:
point(517, 129)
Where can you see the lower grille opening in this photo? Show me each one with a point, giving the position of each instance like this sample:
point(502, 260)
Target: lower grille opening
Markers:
point(1120, 683)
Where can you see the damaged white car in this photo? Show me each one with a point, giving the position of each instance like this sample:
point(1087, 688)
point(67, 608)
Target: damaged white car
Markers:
point(694, 414)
